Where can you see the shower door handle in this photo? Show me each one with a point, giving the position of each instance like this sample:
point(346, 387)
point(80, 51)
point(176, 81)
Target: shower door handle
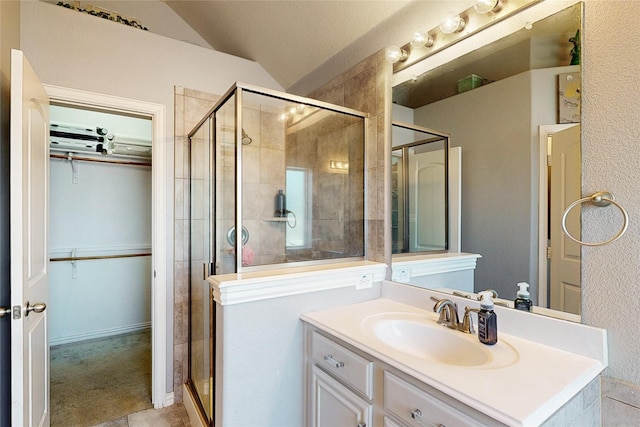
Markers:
point(206, 270)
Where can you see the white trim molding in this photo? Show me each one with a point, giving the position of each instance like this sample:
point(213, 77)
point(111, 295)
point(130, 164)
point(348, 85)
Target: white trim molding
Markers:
point(157, 113)
point(229, 289)
point(427, 265)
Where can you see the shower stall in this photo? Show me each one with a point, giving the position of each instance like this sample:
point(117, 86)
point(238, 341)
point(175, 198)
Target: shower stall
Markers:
point(276, 181)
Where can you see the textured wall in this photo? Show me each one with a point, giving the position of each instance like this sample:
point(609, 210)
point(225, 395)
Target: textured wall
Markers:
point(611, 159)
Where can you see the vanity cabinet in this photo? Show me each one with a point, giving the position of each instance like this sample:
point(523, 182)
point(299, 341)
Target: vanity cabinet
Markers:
point(343, 397)
point(347, 387)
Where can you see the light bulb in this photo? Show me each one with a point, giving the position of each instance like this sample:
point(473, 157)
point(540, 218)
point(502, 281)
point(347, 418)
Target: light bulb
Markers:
point(394, 54)
point(283, 117)
point(421, 40)
point(452, 23)
point(486, 6)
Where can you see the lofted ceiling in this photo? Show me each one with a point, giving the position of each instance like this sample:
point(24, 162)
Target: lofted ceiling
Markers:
point(288, 38)
point(300, 43)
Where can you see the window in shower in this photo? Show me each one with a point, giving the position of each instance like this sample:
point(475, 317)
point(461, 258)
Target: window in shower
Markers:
point(299, 190)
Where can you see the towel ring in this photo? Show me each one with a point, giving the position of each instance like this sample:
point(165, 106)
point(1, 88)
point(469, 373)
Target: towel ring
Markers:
point(600, 199)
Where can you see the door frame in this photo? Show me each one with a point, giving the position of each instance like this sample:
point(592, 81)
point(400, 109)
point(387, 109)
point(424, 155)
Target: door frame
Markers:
point(544, 131)
point(159, 289)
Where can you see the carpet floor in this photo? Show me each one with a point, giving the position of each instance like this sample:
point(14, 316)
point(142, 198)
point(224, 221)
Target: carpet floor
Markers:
point(99, 380)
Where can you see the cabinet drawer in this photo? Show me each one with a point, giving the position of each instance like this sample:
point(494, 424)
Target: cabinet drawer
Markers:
point(343, 363)
point(418, 408)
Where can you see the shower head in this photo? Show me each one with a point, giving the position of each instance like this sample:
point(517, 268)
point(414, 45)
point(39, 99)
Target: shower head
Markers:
point(246, 139)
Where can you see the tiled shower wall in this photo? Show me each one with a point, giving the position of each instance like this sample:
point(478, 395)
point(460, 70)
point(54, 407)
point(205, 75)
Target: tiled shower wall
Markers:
point(365, 88)
point(337, 193)
point(262, 176)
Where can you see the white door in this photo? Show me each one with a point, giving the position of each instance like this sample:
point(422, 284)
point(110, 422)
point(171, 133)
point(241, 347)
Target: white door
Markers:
point(29, 246)
point(426, 192)
point(565, 187)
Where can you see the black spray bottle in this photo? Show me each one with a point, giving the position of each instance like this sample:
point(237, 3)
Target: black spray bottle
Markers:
point(487, 320)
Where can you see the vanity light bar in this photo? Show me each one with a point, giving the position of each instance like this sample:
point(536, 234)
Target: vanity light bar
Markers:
point(475, 22)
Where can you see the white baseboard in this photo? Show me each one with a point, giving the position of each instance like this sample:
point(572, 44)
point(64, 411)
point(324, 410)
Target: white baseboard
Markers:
point(100, 334)
point(169, 399)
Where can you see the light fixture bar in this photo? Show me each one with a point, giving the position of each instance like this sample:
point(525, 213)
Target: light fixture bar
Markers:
point(475, 22)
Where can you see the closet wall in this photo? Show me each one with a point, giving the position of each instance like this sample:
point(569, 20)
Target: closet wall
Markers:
point(104, 211)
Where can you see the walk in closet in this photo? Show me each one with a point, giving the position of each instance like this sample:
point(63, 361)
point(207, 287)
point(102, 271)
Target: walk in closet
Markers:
point(100, 257)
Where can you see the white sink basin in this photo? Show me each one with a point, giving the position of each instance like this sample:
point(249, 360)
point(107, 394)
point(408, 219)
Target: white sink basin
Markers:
point(421, 337)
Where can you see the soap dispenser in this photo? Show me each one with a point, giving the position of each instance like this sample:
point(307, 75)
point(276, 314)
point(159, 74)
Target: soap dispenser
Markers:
point(523, 300)
point(487, 320)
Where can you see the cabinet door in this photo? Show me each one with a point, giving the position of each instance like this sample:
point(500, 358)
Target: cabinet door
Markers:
point(333, 404)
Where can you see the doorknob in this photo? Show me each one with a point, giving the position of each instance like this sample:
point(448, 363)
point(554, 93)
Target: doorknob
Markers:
point(36, 308)
point(4, 311)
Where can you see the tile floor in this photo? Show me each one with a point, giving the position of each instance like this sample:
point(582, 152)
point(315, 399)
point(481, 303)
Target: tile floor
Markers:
point(172, 416)
point(107, 382)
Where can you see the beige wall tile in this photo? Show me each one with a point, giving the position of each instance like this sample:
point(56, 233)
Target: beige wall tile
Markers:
point(272, 167)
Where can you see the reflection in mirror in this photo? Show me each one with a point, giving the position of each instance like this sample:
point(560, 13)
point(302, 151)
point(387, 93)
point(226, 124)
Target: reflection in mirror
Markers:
point(419, 165)
point(507, 104)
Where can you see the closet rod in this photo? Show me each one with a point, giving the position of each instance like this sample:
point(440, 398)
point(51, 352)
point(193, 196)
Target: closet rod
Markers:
point(99, 160)
point(85, 258)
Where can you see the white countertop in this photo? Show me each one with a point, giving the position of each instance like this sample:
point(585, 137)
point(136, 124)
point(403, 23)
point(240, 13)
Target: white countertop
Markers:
point(524, 393)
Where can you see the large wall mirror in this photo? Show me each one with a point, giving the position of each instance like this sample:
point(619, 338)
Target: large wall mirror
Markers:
point(510, 99)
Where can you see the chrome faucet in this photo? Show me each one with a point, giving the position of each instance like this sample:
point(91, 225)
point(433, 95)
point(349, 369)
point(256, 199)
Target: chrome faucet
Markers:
point(448, 311)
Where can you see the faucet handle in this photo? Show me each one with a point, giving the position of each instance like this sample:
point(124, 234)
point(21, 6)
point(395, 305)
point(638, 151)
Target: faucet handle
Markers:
point(444, 315)
point(467, 324)
point(494, 294)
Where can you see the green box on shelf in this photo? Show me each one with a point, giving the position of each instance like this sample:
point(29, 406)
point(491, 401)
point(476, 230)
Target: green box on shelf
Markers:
point(470, 82)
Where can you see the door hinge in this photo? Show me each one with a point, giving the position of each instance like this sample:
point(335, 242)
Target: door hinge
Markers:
point(548, 252)
point(549, 161)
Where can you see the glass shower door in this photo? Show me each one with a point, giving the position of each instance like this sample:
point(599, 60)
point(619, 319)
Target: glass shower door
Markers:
point(201, 343)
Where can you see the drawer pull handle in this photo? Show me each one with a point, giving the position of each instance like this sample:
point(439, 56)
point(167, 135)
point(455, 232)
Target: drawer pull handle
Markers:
point(416, 414)
point(329, 358)
point(362, 425)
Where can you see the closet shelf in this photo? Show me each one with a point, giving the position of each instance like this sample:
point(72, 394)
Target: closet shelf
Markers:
point(93, 257)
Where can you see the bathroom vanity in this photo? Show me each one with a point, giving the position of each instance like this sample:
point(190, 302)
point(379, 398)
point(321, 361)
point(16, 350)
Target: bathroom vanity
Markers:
point(388, 363)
